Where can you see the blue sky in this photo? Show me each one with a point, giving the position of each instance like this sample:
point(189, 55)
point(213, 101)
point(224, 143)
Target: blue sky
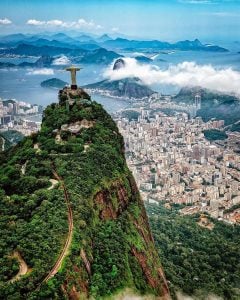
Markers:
point(209, 20)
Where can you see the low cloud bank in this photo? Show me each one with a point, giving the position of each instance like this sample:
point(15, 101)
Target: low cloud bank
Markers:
point(61, 61)
point(43, 71)
point(183, 74)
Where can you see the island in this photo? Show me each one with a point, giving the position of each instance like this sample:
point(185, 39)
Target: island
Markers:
point(53, 83)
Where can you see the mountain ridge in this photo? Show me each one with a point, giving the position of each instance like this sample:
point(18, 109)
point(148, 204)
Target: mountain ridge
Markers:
point(107, 42)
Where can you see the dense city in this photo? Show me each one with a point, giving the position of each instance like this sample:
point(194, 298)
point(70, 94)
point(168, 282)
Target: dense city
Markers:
point(173, 162)
point(168, 154)
point(19, 116)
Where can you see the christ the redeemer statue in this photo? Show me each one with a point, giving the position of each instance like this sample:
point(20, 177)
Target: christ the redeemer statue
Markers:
point(73, 71)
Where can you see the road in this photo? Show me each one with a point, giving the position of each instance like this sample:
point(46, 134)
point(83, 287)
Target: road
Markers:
point(23, 268)
point(3, 143)
point(67, 245)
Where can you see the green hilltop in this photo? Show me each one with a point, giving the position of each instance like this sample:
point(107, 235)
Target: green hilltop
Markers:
point(73, 225)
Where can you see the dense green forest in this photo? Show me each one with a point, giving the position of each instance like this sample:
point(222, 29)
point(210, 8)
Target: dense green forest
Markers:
point(131, 115)
point(11, 137)
point(215, 134)
point(196, 260)
point(112, 247)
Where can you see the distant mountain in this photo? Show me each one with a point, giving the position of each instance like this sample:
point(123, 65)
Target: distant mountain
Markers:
point(98, 56)
point(118, 64)
point(85, 38)
point(89, 46)
point(105, 41)
point(143, 59)
point(4, 65)
point(54, 83)
point(213, 104)
point(104, 38)
point(43, 62)
point(131, 88)
point(61, 37)
point(26, 49)
point(13, 38)
point(125, 43)
point(195, 45)
point(53, 43)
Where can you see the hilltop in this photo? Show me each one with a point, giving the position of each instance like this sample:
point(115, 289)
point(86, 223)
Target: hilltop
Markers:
point(73, 223)
point(129, 88)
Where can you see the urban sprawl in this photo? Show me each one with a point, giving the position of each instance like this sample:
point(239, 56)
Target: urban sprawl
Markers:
point(168, 154)
point(173, 162)
point(19, 116)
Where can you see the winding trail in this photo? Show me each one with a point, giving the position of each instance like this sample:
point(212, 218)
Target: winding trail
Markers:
point(23, 168)
point(53, 182)
point(23, 268)
point(3, 143)
point(67, 245)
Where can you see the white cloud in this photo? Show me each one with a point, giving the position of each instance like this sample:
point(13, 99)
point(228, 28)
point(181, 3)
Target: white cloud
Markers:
point(35, 22)
point(5, 21)
point(115, 29)
point(196, 1)
point(223, 14)
point(43, 71)
point(55, 23)
point(205, 1)
point(61, 61)
point(79, 24)
point(183, 74)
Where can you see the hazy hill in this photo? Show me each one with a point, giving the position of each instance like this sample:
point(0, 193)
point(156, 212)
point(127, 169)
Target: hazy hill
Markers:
point(53, 83)
point(65, 41)
point(127, 88)
point(213, 104)
point(195, 45)
point(87, 54)
point(143, 59)
point(98, 56)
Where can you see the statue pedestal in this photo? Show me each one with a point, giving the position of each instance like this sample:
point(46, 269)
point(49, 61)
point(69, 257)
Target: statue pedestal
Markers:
point(73, 87)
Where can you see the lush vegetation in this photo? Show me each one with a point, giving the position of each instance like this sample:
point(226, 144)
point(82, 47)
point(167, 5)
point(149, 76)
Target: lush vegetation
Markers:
point(109, 218)
point(53, 83)
point(196, 260)
point(11, 137)
point(130, 114)
point(235, 127)
point(215, 134)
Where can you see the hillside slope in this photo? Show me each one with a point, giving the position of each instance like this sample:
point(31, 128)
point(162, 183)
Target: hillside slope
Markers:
point(213, 104)
point(128, 88)
point(70, 209)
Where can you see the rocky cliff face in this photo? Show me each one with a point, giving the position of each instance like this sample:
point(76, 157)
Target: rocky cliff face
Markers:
point(73, 214)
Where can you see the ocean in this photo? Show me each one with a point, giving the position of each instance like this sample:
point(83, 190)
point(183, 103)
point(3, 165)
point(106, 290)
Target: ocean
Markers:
point(23, 84)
